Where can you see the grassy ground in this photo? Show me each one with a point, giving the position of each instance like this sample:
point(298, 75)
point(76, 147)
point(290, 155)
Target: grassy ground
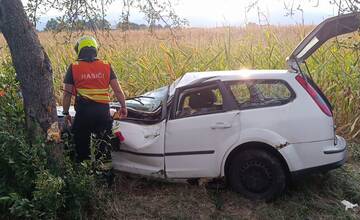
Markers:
point(315, 197)
point(143, 62)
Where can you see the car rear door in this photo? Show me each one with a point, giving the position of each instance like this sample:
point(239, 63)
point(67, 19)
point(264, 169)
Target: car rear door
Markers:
point(197, 136)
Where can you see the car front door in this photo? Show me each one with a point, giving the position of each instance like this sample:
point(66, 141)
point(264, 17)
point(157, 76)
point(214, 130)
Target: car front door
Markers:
point(204, 123)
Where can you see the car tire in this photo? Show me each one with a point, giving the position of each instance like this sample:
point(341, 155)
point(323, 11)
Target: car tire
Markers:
point(256, 174)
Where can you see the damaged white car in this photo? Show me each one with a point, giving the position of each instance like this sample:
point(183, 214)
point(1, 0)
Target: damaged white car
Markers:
point(257, 128)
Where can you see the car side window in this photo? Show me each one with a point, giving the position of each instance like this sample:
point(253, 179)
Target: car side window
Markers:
point(273, 90)
point(199, 101)
point(241, 92)
point(260, 93)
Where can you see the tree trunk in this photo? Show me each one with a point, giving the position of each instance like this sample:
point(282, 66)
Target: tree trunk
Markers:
point(32, 65)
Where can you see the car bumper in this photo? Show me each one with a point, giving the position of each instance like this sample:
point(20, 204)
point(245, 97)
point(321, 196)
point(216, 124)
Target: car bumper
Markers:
point(320, 169)
point(321, 158)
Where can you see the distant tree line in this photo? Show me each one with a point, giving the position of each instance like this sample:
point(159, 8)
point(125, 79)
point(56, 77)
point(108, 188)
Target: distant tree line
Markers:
point(93, 24)
point(96, 24)
point(134, 26)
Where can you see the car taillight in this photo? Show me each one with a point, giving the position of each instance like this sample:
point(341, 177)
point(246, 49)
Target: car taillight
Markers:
point(314, 95)
point(119, 135)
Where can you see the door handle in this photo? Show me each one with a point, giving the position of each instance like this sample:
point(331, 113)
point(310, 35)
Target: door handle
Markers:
point(152, 135)
point(220, 125)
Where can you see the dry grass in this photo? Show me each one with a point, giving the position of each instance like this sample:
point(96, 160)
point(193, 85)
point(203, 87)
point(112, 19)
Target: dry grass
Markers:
point(144, 61)
point(315, 197)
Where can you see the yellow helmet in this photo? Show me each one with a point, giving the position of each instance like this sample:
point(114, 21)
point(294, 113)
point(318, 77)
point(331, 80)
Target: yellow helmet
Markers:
point(85, 41)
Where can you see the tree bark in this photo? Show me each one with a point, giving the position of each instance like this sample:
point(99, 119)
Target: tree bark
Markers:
point(32, 65)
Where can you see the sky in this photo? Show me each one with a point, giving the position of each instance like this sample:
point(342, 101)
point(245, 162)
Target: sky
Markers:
point(214, 13)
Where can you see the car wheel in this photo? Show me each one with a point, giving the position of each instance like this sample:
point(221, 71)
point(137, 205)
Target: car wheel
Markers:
point(257, 175)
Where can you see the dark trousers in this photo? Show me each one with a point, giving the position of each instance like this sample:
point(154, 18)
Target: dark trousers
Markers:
point(91, 118)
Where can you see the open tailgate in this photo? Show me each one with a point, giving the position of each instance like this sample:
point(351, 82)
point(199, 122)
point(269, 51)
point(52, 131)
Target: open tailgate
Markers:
point(327, 29)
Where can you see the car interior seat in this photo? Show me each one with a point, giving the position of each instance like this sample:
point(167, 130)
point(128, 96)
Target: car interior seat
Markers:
point(202, 101)
point(199, 102)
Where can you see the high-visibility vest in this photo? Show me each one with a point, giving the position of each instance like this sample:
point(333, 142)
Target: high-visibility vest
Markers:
point(92, 79)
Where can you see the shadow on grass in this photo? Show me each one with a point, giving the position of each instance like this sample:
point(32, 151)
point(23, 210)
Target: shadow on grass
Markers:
point(314, 197)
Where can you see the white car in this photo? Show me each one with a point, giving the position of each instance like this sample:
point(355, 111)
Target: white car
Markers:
point(257, 128)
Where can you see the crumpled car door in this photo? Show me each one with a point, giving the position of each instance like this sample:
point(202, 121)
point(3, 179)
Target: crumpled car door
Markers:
point(142, 152)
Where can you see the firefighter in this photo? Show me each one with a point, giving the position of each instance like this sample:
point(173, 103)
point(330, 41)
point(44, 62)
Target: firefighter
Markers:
point(89, 79)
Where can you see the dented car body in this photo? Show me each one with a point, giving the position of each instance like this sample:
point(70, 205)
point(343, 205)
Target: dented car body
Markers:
point(248, 106)
point(255, 127)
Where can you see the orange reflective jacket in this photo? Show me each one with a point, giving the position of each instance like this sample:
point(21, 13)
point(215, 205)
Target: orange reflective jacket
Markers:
point(92, 79)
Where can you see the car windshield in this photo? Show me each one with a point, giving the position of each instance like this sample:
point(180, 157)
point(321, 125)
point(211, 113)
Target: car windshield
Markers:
point(149, 101)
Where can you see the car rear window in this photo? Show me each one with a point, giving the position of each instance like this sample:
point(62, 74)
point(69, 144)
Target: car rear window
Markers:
point(260, 93)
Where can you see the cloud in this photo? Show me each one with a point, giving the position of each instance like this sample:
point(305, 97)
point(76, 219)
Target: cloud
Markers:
point(210, 13)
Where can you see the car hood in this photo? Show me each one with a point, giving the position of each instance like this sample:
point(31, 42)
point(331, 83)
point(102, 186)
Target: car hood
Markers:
point(327, 29)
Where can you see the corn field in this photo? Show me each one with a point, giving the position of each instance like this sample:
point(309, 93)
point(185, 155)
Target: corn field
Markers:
point(144, 61)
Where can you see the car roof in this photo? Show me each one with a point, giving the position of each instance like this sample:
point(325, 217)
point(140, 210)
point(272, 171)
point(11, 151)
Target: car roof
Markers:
point(190, 78)
point(227, 75)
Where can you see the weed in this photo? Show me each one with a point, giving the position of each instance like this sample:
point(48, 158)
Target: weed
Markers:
point(143, 63)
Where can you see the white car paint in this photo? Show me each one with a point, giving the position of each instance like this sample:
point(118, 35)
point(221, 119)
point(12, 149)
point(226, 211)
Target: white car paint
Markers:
point(213, 132)
point(140, 140)
point(199, 146)
point(244, 74)
point(299, 130)
point(302, 130)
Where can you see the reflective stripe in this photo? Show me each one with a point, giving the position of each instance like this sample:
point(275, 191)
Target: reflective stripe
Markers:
point(94, 91)
point(101, 97)
point(96, 97)
point(95, 94)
